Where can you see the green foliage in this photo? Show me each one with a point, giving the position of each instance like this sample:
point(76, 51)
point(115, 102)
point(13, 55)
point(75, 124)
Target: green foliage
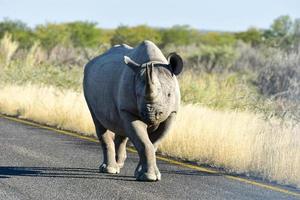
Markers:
point(283, 33)
point(51, 35)
point(214, 58)
point(106, 36)
point(252, 36)
point(179, 35)
point(19, 30)
point(84, 34)
point(296, 27)
point(134, 35)
point(215, 39)
point(282, 25)
point(296, 33)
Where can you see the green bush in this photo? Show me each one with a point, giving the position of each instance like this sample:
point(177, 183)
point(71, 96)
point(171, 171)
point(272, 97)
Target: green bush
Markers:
point(214, 58)
point(84, 34)
point(179, 36)
point(252, 36)
point(216, 39)
point(134, 35)
point(19, 30)
point(51, 35)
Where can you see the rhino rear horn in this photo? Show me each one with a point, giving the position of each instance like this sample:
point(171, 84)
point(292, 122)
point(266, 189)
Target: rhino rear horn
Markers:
point(175, 63)
point(133, 65)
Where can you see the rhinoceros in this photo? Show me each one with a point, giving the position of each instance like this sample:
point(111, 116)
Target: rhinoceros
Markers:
point(132, 93)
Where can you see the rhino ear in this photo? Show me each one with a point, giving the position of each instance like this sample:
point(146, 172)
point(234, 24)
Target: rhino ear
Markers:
point(133, 65)
point(176, 63)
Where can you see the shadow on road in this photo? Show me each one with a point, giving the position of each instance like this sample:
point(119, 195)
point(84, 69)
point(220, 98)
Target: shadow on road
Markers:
point(84, 173)
point(59, 172)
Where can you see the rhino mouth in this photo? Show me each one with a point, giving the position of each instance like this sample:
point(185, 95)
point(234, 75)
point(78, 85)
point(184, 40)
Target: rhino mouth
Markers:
point(151, 118)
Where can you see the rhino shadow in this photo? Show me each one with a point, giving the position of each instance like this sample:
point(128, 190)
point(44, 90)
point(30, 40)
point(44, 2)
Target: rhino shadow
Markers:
point(58, 172)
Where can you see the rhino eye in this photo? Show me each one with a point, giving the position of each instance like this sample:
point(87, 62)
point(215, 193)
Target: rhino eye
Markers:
point(169, 94)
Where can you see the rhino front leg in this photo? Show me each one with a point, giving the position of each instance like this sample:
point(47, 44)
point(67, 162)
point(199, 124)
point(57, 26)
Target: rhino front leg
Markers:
point(136, 130)
point(120, 146)
point(162, 130)
point(157, 135)
point(106, 138)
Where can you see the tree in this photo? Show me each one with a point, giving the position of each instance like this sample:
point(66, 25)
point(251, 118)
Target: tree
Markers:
point(19, 30)
point(252, 36)
point(134, 35)
point(215, 39)
point(179, 35)
point(296, 27)
point(214, 58)
point(296, 34)
point(280, 33)
point(52, 34)
point(84, 34)
point(282, 26)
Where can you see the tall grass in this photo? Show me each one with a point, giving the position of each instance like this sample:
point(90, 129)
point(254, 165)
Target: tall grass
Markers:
point(47, 105)
point(226, 91)
point(240, 142)
point(7, 49)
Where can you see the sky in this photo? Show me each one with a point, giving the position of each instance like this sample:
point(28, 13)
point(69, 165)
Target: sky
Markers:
point(221, 15)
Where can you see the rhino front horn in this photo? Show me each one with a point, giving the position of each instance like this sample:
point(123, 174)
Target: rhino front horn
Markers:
point(150, 89)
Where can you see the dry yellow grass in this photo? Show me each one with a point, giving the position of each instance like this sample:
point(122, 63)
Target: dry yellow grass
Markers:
point(47, 105)
point(7, 48)
point(240, 142)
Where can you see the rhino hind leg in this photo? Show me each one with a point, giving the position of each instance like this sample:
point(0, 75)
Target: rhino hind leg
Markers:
point(106, 139)
point(120, 146)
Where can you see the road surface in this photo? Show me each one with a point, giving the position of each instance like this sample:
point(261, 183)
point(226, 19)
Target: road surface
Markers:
point(36, 163)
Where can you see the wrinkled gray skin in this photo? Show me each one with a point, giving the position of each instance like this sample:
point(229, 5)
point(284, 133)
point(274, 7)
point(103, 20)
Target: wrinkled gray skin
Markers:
point(132, 93)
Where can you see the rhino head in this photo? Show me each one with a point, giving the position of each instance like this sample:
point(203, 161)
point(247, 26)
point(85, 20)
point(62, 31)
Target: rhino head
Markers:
point(156, 88)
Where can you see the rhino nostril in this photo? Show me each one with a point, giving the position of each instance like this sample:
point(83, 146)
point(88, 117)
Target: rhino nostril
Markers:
point(158, 115)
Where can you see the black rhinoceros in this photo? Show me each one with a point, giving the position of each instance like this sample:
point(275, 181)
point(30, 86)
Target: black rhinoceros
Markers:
point(132, 93)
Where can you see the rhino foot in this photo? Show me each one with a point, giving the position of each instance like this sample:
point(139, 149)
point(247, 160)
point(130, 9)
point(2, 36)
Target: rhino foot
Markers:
point(120, 165)
point(147, 176)
point(109, 169)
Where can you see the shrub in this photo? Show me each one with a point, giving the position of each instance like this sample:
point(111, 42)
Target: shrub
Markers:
point(249, 58)
point(217, 39)
point(210, 58)
point(281, 76)
point(279, 80)
point(51, 35)
point(19, 32)
point(252, 36)
point(134, 35)
point(179, 36)
point(84, 34)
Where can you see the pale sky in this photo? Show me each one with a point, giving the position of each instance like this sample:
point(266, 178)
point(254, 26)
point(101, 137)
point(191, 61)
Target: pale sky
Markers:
point(223, 15)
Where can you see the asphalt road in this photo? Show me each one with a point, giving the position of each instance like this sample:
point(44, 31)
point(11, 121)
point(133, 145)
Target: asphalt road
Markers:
point(36, 163)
